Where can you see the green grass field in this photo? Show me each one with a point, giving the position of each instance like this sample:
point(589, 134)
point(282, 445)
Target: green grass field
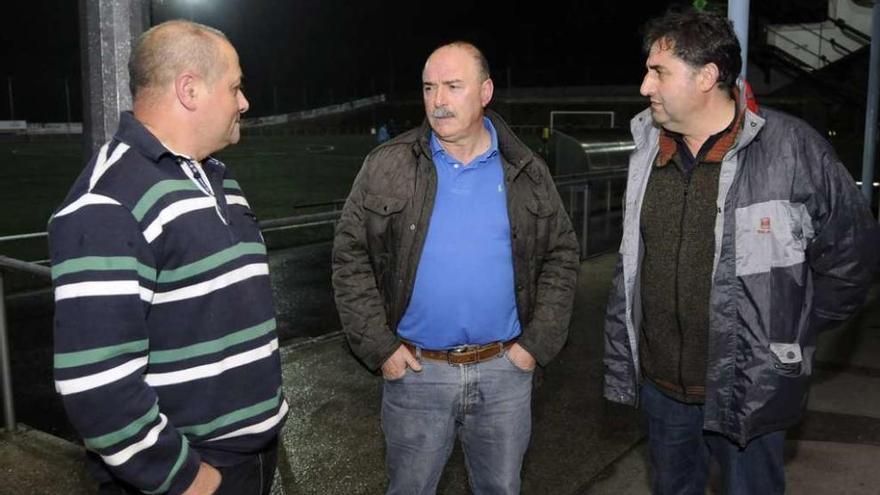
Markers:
point(278, 173)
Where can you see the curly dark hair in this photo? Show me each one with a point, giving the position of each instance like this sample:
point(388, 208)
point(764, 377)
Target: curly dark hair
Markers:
point(698, 38)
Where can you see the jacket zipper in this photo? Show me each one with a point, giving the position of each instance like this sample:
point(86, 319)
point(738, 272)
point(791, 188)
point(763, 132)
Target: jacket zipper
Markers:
point(686, 182)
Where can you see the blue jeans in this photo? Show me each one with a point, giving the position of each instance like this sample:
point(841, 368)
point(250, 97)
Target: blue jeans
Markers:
point(487, 404)
point(681, 449)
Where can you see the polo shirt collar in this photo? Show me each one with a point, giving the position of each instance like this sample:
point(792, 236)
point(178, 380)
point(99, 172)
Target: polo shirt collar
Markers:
point(136, 135)
point(437, 150)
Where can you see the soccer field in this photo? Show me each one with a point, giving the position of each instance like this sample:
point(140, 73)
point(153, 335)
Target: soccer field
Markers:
point(277, 173)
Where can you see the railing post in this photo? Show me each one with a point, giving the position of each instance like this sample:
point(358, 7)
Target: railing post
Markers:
point(585, 234)
point(869, 152)
point(607, 207)
point(5, 366)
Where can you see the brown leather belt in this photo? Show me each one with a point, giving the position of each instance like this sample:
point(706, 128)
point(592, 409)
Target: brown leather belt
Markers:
point(468, 354)
point(690, 390)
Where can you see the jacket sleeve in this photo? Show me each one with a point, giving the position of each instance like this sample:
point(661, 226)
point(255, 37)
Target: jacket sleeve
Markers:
point(620, 376)
point(546, 333)
point(358, 301)
point(104, 273)
point(843, 253)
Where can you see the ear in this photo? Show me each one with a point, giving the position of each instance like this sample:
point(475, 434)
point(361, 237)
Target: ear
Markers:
point(487, 87)
point(186, 89)
point(707, 78)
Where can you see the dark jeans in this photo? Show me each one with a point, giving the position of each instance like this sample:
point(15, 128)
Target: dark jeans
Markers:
point(252, 477)
point(487, 405)
point(681, 450)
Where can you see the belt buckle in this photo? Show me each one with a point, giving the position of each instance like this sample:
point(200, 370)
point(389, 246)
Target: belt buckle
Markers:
point(459, 351)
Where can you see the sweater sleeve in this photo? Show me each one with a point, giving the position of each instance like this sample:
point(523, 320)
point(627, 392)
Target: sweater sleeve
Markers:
point(104, 274)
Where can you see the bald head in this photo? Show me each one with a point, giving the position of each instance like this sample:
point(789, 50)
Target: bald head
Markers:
point(482, 64)
point(168, 49)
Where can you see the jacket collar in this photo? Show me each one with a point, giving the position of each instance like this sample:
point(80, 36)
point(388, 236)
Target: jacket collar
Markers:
point(644, 131)
point(715, 154)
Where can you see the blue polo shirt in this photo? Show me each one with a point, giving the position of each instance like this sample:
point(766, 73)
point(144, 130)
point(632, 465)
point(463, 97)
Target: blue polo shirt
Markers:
point(464, 288)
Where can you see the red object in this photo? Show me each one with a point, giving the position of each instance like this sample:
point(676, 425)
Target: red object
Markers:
point(750, 100)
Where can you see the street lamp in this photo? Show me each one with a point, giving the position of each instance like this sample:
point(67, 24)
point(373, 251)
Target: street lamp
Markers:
point(191, 4)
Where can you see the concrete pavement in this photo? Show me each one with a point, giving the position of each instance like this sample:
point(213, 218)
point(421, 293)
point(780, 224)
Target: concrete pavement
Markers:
point(580, 443)
point(836, 448)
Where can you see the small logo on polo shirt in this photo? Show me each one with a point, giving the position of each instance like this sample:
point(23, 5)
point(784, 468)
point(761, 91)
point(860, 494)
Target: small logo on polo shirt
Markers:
point(765, 226)
point(501, 188)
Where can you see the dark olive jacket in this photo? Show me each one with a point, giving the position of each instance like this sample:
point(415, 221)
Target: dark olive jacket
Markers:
point(382, 230)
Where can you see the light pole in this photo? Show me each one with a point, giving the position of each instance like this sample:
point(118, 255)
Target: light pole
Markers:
point(67, 103)
point(738, 13)
point(11, 100)
point(190, 9)
point(870, 149)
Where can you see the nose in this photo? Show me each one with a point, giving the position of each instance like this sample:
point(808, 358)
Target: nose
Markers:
point(647, 87)
point(243, 103)
point(439, 96)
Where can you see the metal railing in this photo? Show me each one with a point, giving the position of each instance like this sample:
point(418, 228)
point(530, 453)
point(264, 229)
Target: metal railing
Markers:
point(283, 223)
point(12, 264)
point(800, 46)
point(822, 37)
point(577, 192)
point(857, 36)
point(851, 31)
point(5, 363)
point(305, 219)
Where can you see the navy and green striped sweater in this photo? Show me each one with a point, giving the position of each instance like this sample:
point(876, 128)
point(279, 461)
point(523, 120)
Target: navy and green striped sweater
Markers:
point(166, 352)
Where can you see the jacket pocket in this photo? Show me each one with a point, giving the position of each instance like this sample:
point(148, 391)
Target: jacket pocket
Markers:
point(379, 217)
point(772, 234)
point(787, 358)
point(383, 205)
point(382, 218)
point(541, 213)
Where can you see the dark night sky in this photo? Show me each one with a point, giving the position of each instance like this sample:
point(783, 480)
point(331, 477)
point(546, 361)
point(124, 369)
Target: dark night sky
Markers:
point(317, 52)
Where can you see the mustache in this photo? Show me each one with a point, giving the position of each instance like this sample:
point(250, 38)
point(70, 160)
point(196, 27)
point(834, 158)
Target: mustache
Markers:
point(442, 113)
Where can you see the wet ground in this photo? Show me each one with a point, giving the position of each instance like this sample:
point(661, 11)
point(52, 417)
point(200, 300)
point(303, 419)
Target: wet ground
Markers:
point(581, 444)
point(300, 280)
point(303, 299)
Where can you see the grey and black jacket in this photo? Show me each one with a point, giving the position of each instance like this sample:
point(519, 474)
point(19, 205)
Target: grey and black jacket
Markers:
point(795, 252)
point(382, 230)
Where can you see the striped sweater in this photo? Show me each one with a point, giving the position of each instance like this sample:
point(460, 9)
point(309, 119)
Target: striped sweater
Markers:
point(166, 352)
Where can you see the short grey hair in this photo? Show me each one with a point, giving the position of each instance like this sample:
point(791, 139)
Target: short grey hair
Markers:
point(167, 49)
